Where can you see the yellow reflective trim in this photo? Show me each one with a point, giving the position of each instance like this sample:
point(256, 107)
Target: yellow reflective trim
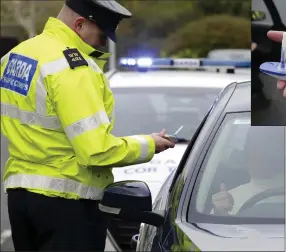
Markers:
point(47, 69)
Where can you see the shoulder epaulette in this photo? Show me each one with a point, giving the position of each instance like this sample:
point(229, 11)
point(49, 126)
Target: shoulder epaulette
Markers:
point(74, 58)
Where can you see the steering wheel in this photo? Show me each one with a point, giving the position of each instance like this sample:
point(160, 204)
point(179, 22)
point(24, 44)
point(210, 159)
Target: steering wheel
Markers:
point(261, 196)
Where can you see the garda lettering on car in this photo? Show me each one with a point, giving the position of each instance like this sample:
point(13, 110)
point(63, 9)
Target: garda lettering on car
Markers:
point(152, 167)
point(18, 74)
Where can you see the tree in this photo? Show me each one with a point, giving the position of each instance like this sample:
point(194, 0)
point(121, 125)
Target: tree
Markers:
point(198, 37)
point(28, 14)
point(156, 27)
point(151, 23)
point(236, 8)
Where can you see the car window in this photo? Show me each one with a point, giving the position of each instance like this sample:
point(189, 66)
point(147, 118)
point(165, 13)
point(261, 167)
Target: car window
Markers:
point(247, 164)
point(149, 110)
point(259, 5)
point(281, 7)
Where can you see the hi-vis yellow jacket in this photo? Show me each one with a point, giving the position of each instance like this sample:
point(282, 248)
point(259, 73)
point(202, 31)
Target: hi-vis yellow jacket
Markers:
point(57, 113)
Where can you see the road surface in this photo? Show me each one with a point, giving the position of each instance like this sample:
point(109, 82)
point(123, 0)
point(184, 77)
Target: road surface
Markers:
point(6, 240)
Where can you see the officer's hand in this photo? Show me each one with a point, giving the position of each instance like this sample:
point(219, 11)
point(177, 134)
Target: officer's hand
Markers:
point(277, 36)
point(223, 201)
point(161, 143)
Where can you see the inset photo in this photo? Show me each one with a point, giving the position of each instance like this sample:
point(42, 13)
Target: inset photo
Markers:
point(268, 68)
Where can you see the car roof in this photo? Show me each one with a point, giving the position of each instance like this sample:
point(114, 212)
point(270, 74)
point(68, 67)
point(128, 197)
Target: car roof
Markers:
point(176, 78)
point(240, 100)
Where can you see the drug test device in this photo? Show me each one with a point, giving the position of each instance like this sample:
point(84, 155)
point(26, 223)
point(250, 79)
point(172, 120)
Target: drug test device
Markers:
point(174, 137)
point(276, 69)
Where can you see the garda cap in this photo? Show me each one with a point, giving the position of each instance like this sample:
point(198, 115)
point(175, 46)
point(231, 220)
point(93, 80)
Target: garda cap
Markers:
point(106, 14)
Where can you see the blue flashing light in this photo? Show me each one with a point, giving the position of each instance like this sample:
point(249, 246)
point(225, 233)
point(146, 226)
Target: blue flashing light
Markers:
point(187, 62)
point(144, 62)
point(182, 63)
point(127, 61)
point(162, 62)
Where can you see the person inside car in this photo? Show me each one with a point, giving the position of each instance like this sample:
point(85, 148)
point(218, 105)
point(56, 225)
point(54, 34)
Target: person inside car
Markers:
point(264, 166)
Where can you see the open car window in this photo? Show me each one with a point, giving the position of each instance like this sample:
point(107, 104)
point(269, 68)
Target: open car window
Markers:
point(248, 163)
point(259, 5)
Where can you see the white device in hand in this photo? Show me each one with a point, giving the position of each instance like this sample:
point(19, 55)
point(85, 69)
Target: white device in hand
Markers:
point(174, 137)
point(276, 69)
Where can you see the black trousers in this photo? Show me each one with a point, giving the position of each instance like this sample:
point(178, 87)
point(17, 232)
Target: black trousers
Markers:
point(41, 223)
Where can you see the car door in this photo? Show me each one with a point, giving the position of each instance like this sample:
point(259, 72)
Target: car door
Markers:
point(152, 238)
point(162, 238)
point(196, 227)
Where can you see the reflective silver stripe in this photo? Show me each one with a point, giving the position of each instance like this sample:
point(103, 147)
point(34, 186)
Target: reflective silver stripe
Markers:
point(4, 58)
point(55, 184)
point(93, 65)
point(41, 92)
point(144, 148)
point(27, 117)
point(84, 125)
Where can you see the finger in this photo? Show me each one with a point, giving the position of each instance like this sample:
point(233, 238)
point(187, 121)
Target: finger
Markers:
point(168, 143)
point(223, 187)
point(281, 84)
point(162, 133)
point(284, 92)
point(276, 36)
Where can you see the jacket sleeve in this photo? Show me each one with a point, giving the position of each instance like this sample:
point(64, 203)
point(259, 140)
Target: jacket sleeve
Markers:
point(78, 98)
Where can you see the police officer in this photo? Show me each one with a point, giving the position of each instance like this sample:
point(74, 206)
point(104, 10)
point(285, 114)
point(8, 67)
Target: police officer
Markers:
point(57, 113)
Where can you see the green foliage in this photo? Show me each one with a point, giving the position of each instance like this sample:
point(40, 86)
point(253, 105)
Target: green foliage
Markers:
point(214, 32)
point(41, 11)
point(236, 8)
point(182, 28)
point(185, 28)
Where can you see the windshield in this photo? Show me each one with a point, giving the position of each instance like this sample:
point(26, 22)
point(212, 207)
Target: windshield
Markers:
point(243, 174)
point(147, 110)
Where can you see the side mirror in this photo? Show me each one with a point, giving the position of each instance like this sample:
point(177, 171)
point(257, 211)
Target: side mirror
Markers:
point(130, 201)
point(257, 15)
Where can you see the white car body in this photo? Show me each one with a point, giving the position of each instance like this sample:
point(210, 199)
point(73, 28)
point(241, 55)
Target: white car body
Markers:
point(155, 172)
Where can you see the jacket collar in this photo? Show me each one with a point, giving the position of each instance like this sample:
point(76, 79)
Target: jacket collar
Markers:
point(61, 31)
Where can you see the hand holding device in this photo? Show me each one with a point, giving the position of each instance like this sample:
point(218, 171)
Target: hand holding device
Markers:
point(276, 69)
point(173, 138)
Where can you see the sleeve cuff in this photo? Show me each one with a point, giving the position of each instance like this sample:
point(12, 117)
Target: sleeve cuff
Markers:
point(147, 148)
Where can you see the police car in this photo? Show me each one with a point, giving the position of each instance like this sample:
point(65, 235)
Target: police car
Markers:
point(226, 149)
point(151, 94)
point(230, 54)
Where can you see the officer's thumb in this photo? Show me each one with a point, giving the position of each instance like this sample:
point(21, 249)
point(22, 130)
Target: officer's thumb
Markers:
point(223, 187)
point(162, 133)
